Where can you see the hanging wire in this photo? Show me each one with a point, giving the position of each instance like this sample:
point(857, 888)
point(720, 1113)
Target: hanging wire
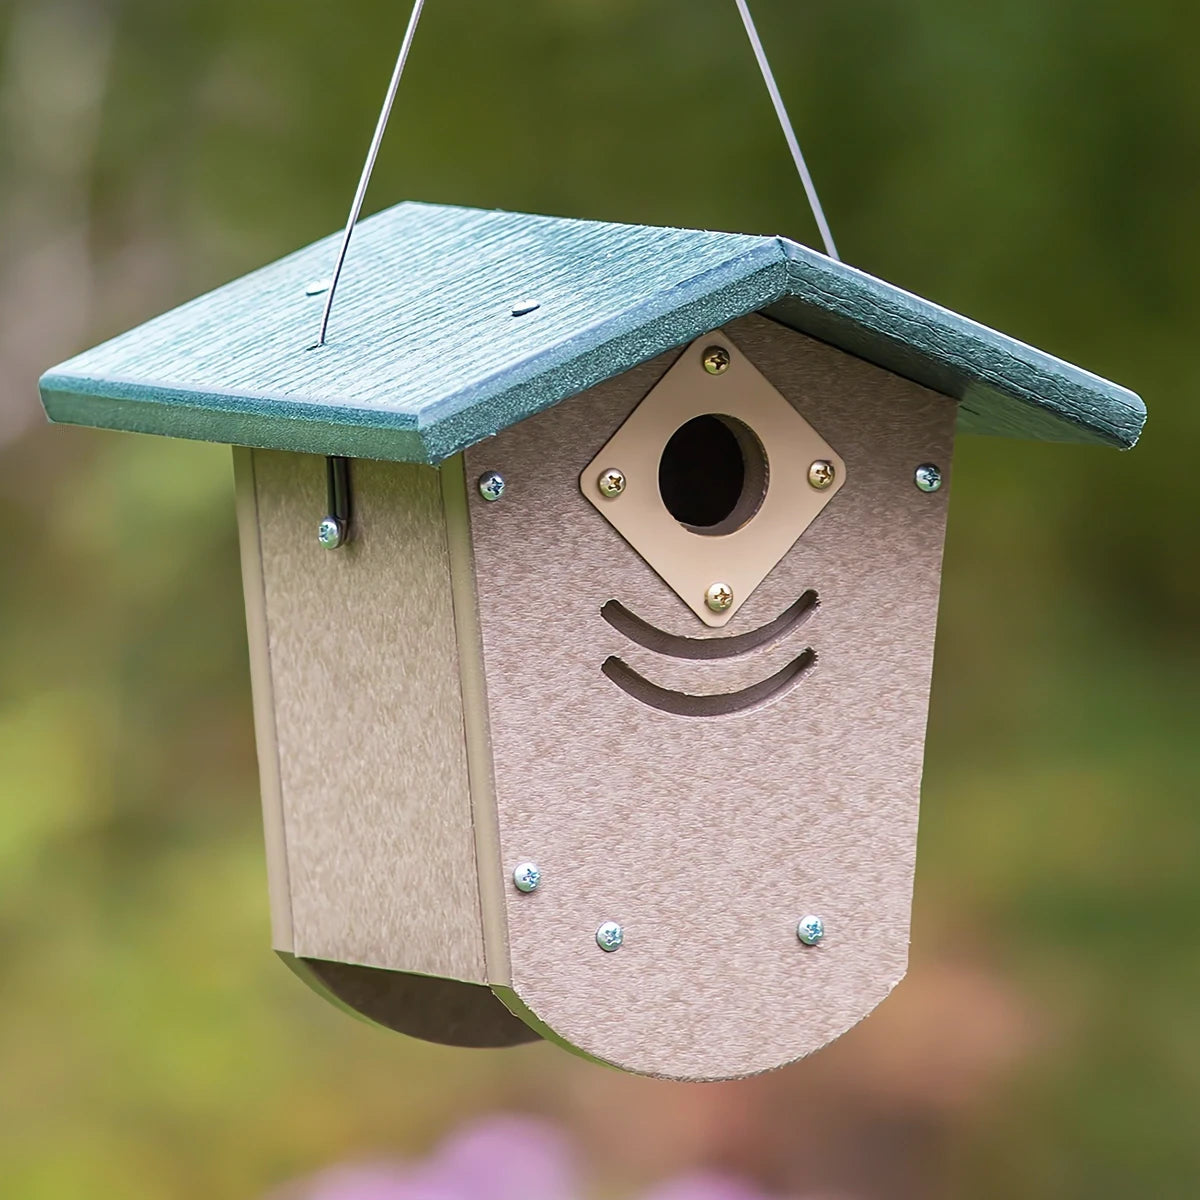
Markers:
point(369, 166)
point(785, 124)
point(390, 100)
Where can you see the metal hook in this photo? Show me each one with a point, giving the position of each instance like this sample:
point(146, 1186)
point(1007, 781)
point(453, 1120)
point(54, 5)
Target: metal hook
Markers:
point(334, 530)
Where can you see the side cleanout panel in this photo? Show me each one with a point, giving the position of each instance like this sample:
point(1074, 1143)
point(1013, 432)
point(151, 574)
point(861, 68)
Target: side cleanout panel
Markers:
point(708, 828)
point(366, 713)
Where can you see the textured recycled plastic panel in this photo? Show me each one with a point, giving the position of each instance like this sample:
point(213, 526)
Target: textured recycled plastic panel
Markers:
point(425, 358)
point(708, 838)
point(368, 728)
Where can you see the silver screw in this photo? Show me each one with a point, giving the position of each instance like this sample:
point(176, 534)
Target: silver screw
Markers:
point(928, 477)
point(718, 597)
point(492, 485)
point(524, 307)
point(821, 474)
point(611, 483)
point(716, 360)
point(331, 533)
point(810, 930)
point(610, 936)
point(527, 876)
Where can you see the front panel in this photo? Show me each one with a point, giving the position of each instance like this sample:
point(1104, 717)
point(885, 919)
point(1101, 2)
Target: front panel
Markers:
point(705, 789)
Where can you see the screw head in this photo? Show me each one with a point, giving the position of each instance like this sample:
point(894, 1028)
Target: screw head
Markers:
point(318, 287)
point(492, 485)
point(810, 930)
point(610, 936)
point(524, 307)
point(527, 876)
point(716, 360)
point(821, 474)
point(718, 597)
point(331, 533)
point(611, 483)
point(928, 477)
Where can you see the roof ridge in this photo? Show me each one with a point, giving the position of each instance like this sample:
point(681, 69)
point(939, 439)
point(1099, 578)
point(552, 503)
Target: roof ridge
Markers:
point(630, 323)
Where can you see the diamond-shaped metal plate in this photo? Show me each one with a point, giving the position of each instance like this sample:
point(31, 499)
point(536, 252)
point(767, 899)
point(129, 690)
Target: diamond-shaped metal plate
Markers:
point(688, 560)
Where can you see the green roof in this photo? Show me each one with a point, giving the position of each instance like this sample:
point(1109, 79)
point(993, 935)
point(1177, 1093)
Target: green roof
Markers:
point(425, 355)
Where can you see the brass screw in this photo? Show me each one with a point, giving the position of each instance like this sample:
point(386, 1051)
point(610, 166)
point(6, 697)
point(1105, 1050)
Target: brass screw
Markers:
point(611, 483)
point(716, 360)
point(821, 474)
point(718, 597)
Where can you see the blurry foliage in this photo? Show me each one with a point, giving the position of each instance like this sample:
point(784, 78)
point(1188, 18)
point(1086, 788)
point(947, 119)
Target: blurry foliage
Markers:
point(1030, 164)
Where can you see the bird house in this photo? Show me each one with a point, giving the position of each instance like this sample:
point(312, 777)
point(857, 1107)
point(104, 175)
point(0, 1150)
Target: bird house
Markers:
point(591, 575)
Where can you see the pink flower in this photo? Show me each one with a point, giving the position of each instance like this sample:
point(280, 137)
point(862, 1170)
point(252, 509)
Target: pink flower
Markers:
point(706, 1187)
point(500, 1158)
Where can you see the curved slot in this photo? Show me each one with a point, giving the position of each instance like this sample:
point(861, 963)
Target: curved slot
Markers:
point(681, 704)
point(638, 630)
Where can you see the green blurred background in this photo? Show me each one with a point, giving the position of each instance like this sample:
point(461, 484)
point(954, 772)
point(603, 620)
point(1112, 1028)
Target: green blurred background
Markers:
point(1034, 164)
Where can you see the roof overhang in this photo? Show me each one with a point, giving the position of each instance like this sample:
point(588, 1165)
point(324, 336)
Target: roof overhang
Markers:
point(426, 357)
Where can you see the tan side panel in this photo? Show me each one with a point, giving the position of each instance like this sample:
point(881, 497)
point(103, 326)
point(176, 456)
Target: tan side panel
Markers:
point(264, 700)
point(369, 721)
point(708, 837)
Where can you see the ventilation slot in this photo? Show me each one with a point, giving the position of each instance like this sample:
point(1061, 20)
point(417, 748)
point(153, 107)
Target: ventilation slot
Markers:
point(681, 704)
point(638, 630)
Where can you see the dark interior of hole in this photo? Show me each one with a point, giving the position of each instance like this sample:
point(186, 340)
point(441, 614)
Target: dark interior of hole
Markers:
point(702, 473)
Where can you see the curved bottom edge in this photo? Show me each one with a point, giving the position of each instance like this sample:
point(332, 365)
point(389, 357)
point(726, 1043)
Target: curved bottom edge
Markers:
point(680, 1072)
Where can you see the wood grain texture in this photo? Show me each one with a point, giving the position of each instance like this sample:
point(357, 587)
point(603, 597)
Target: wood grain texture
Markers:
point(368, 713)
point(425, 357)
point(422, 1006)
point(254, 590)
point(708, 838)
